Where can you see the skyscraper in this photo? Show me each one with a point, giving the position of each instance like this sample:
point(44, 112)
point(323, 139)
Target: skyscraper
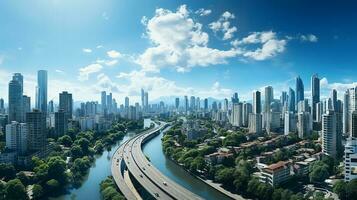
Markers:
point(299, 90)
point(192, 103)
point(26, 103)
point(186, 104)
point(41, 103)
point(18, 77)
point(268, 98)
point(283, 98)
point(205, 106)
point(329, 134)
point(146, 100)
point(66, 103)
point(235, 98)
point(16, 111)
point(291, 101)
point(177, 102)
point(346, 103)
point(142, 98)
point(36, 122)
point(16, 137)
point(304, 124)
point(334, 99)
point(61, 123)
point(247, 109)
point(110, 102)
point(257, 106)
point(2, 106)
point(126, 102)
point(104, 101)
point(51, 107)
point(315, 94)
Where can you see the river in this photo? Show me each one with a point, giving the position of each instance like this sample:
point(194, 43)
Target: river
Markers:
point(101, 169)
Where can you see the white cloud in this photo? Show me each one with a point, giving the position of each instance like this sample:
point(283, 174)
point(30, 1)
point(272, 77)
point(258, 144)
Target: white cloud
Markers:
point(326, 87)
point(179, 42)
point(59, 71)
point(105, 16)
point(87, 50)
point(223, 25)
point(309, 38)
point(203, 12)
point(114, 54)
point(111, 62)
point(99, 46)
point(86, 71)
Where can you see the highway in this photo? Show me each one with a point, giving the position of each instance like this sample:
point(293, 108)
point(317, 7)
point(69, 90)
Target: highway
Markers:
point(129, 156)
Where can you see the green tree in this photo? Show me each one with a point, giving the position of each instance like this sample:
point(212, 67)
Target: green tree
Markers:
point(340, 189)
point(351, 190)
point(15, 190)
point(65, 140)
point(57, 169)
point(7, 171)
point(37, 191)
point(224, 176)
point(76, 151)
point(52, 185)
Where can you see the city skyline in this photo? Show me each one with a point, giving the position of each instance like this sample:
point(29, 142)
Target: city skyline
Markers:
point(118, 58)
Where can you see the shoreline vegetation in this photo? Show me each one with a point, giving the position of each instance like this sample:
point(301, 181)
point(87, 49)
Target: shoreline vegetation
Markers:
point(66, 166)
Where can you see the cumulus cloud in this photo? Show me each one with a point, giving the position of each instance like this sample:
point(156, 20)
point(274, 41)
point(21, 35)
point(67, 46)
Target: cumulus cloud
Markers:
point(223, 25)
point(270, 45)
point(203, 12)
point(178, 42)
point(86, 50)
point(114, 54)
point(86, 71)
point(111, 62)
point(309, 38)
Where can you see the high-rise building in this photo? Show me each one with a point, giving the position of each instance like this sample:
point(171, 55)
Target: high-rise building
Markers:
point(126, 102)
point(192, 103)
point(186, 104)
point(177, 103)
point(247, 109)
point(18, 77)
point(329, 134)
point(237, 113)
point(51, 107)
point(2, 106)
point(61, 123)
point(299, 90)
point(66, 103)
point(16, 110)
point(16, 137)
point(304, 124)
point(235, 98)
point(36, 122)
point(315, 94)
point(291, 101)
point(319, 111)
point(205, 106)
point(198, 104)
point(104, 101)
point(110, 103)
point(142, 98)
point(26, 103)
point(350, 160)
point(41, 103)
point(334, 99)
point(346, 119)
point(289, 123)
point(146, 100)
point(283, 97)
point(257, 106)
point(268, 98)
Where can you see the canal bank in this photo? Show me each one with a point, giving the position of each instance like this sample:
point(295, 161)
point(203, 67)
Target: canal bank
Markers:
point(153, 149)
point(100, 170)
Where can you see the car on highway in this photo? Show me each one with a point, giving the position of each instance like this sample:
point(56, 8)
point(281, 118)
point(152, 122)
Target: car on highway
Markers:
point(165, 183)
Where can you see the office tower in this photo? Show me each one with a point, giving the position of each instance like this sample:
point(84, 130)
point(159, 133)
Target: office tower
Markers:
point(319, 111)
point(16, 137)
point(237, 113)
point(115, 106)
point(256, 102)
point(110, 103)
point(329, 134)
point(268, 98)
point(186, 104)
point(41, 103)
point(16, 111)
point(291, 101)
point(142, 98)
point(350, 159)
point(26, 104)
point(214, 106)
point(198, 103)
point(177, 103)
point(19, 78)
point(273, 117)
point(126, 102)
point(346, 103)
point(225, 104)
point(315, 94)
point(104, 101)
point(247, 109)
point(192, 103)
point(66, 103)
point(304, 124)
point(354, 125)
point(352, 106)
point(61, 123)
point(289, 123)
point(283, 97)
point(235, 98)
point(205, 102)
point(146, 99)
point(299, 90)
point(303, 106)
point(51, 107)
point(2, 106)
point(334, 99)
point(36, 122)
point(255, 119)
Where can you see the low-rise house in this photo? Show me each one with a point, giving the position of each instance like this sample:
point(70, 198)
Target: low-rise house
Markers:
point(302, 167)
point(276, 173)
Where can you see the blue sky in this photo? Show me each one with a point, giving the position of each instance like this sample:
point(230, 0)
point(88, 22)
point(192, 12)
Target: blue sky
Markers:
point(204, 48)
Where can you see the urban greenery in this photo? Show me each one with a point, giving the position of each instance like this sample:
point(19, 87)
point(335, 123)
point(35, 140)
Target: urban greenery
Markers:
point(109, 191)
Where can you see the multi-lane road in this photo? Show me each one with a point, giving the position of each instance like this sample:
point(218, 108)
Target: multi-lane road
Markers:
point(129, 156)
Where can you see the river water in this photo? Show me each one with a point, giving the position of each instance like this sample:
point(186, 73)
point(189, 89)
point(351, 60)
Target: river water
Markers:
point(101, 169)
